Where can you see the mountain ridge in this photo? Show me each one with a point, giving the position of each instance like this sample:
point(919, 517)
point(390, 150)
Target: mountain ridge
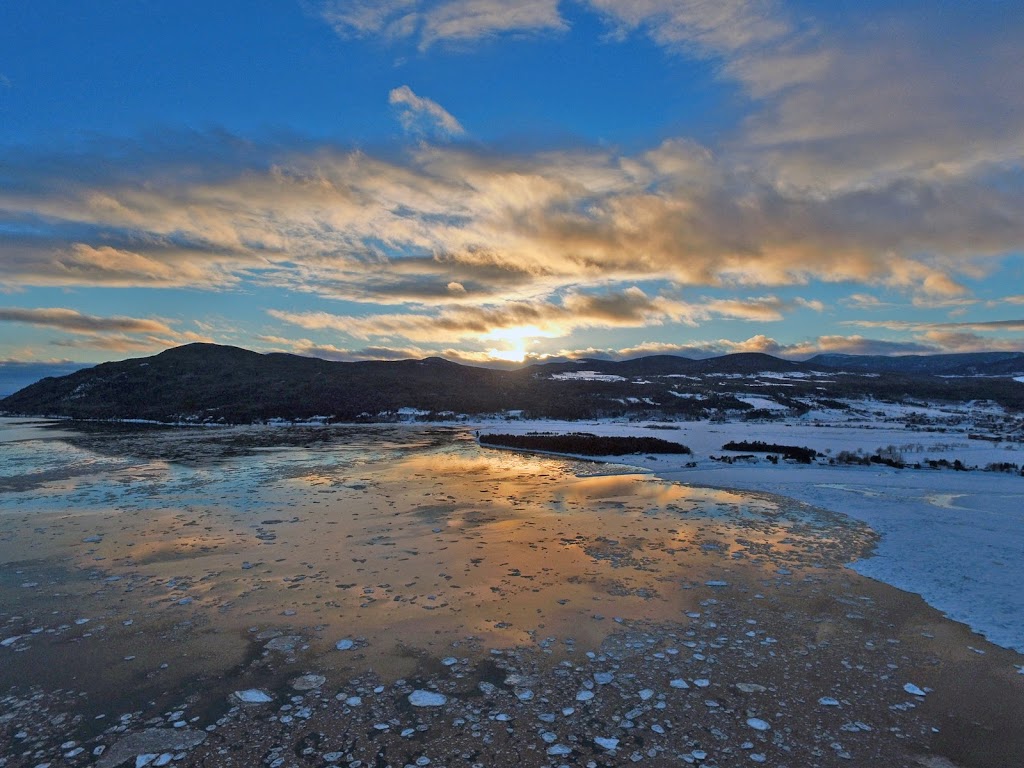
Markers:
point(210, 383)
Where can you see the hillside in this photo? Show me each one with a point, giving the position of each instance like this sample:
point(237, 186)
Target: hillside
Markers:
point(208, 383)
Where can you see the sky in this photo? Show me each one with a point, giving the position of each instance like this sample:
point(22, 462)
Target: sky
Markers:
point(500, 181)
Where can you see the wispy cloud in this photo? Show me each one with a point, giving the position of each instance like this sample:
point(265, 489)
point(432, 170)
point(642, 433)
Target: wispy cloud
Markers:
point(629, 308)
point(115, 333)
point(962, 336)
point(457, 20)
point(70, 320)
point(430, 22)
point(911, 325)
point(420, 115)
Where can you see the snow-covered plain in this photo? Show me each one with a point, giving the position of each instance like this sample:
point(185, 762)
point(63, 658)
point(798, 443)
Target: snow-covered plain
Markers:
point(954, 537)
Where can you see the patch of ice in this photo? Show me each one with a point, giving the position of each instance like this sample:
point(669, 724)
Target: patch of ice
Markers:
point(420, 698)
point(253, 696)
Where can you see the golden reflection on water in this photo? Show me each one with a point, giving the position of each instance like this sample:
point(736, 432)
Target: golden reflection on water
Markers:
point(425, 546)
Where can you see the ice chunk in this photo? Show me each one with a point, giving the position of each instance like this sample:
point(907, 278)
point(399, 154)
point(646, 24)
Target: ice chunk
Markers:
point(308, 682)
point(421, 698)
point(253, 696)
point(750, 688)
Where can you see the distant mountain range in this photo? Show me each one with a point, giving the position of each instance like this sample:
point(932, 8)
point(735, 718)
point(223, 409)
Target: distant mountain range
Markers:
point(220, 384)
point(966, 364)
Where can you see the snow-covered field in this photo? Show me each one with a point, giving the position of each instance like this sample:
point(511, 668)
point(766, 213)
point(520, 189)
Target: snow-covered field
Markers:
point(955, 538)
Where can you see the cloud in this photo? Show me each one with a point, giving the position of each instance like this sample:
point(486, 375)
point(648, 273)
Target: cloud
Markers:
point(853, 345)
point(308, 348)
point(401, 230)
point(361, 18)
point(965, 336)
point(1018, 299)
point(629, 308)
point(450, 21)
point(758, 343)
point(420, 115)
point(725, 28)
point(960, 341)
point(76, 322)
point(912, 325)
point(115, 333)
point(858, 98)
point(871, 98)
point(477, 19)
point(125, 344)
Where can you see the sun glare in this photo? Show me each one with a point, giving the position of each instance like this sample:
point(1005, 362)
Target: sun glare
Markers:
point(516, 340)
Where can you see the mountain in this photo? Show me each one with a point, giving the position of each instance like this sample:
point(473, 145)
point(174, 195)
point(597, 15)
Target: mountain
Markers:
point(209, 383)
point(965, 364)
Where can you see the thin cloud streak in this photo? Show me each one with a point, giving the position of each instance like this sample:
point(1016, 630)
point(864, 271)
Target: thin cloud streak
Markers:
point(76, 322)
point(421, 115)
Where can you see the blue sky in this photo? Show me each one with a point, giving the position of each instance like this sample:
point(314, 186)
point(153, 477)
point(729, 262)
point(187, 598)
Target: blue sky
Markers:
point(498, 181)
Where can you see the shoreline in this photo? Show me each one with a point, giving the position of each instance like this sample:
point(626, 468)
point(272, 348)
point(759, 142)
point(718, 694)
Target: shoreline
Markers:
point(925, 543)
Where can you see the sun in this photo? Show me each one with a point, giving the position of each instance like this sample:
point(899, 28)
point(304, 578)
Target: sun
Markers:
point(516, 340)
